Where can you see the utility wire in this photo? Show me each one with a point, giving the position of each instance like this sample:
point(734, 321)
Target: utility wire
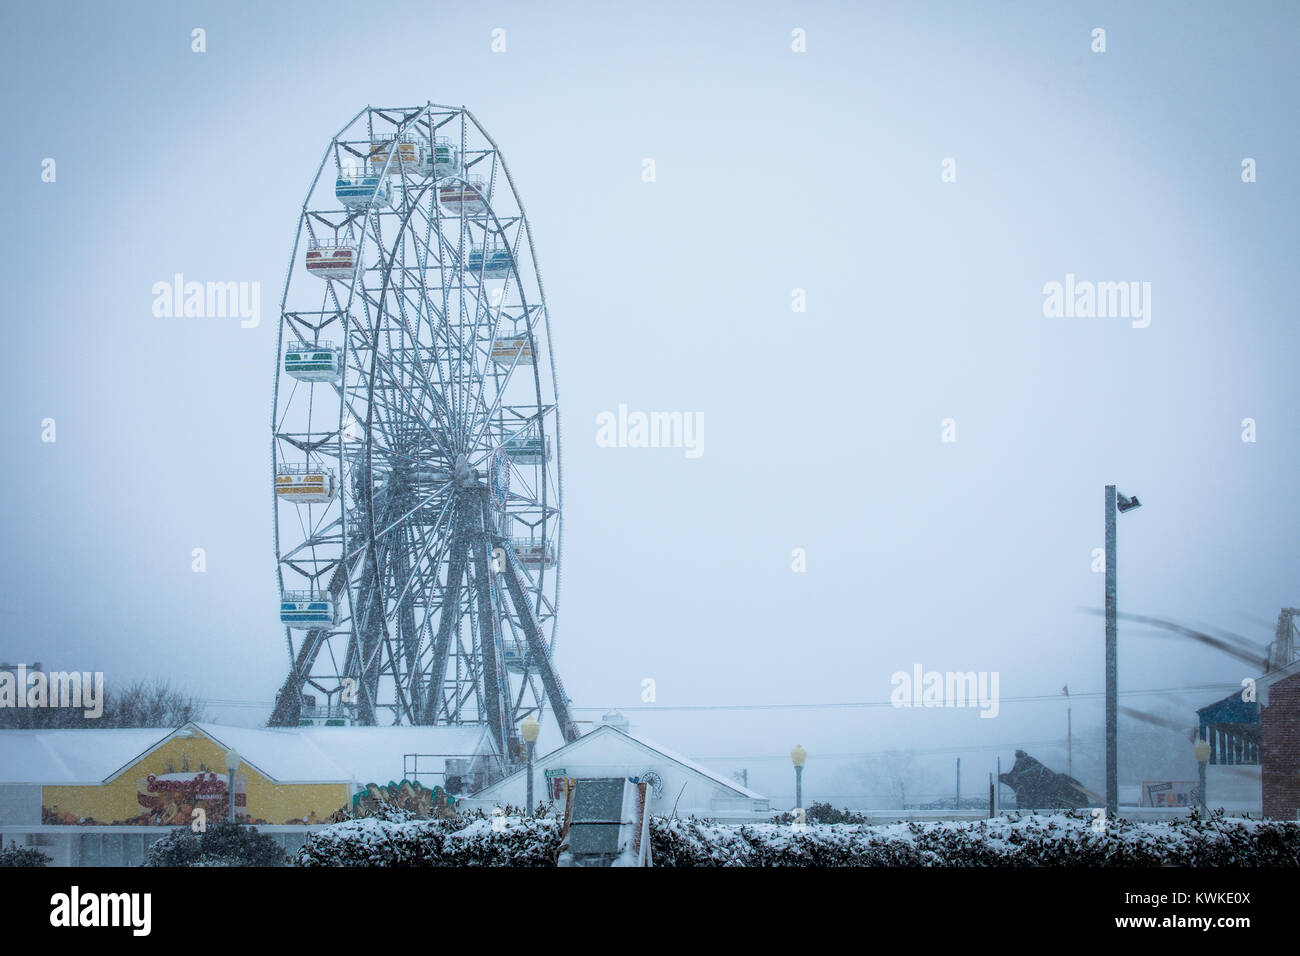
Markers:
point(832, 705)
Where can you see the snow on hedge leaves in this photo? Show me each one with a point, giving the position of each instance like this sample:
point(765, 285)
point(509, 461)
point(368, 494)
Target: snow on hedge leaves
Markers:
point(1062, 839)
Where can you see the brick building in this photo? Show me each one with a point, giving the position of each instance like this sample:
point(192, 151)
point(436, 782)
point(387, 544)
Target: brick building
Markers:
point(1279, 697)
point(1254, 765)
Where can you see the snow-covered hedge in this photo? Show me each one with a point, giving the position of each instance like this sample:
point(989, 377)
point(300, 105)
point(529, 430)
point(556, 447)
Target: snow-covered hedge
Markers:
point(521, 841)
point(15, 855)
point(1063, 839)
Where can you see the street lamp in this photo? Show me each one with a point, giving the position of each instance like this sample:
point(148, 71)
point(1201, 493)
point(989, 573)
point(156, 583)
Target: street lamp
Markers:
point(798, 757)
point(1202, 750)
point(1123, 503)
point(232, 762)
point(529, 729)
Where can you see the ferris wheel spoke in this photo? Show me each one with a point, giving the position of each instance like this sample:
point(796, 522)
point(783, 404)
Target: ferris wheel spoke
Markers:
point(412, 333)
point(418, 409)
point(485, 354)
point(386, 531)
point(428, 394)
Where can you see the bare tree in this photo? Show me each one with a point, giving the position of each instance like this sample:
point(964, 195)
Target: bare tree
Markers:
point(137, 704)
point(893, 776)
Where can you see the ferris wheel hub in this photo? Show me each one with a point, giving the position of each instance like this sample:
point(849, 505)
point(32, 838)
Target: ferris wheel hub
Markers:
point(466, 477)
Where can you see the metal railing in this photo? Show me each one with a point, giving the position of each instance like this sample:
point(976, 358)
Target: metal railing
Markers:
point(310, 597)
point(292, 469)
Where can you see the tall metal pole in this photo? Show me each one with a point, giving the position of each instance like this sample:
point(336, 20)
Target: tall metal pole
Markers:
point(798, 787)
point(1112, 665)
point(1069, 741)
point(957, 805)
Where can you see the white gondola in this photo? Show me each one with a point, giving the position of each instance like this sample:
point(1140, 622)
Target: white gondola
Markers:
point(313, 363)
point(332, 260)
point(524, 450)
point(309, 609)
point(305, 483)
point(532, 554)
point(464, 198)
point(506, 347)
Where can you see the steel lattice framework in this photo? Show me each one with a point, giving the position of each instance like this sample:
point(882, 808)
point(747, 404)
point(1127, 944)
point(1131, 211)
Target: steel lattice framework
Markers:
point(415, 438)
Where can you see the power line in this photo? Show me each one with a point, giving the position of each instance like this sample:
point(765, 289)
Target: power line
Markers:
point(1150, 692)
point(831, 705)
point(974, 748)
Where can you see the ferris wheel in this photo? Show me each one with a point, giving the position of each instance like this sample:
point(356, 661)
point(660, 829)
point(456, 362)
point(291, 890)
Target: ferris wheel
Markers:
point(415, 453)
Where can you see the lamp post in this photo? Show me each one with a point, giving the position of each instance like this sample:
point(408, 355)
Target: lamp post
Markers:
point(1122, 503)
point(232, 762)
point(529, 729)
point(1202, 750)
point(798, 757)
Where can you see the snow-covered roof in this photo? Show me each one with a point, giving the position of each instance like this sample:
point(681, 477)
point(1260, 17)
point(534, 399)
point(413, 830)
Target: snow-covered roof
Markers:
point(644, 743)
point(361, 754)
point(286, 755)
point(70, 756)
point(697, 767)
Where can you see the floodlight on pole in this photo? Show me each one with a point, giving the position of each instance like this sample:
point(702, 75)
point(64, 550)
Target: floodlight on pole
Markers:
point(1121, 503)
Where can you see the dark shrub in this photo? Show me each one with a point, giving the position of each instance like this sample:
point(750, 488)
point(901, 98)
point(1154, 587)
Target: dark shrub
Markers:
point(221, 844)
point(15, 855)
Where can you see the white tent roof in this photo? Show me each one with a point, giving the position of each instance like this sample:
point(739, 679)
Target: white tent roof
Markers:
point(360, 754)
point(289, 755)
point(644, 743)
point(70, 756)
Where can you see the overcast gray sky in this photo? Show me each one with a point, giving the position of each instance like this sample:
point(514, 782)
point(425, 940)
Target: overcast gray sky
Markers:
point(776, 171)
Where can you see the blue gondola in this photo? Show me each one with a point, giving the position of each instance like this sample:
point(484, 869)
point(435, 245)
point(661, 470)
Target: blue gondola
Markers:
point(361, 188)
point(498, 262)
point(515, 655)
point(310, 609)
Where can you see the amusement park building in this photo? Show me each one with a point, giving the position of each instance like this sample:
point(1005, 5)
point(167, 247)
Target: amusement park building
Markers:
point(101, 797)
point(676, 783)
point(1254, 764)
